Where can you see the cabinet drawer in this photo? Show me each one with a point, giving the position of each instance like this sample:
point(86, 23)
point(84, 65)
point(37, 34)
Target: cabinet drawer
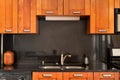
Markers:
point(49, 74)
point(77, 75)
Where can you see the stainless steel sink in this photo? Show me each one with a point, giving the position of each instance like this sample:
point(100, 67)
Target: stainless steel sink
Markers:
point(74, 67)
point(50, 67)
point(61, 67)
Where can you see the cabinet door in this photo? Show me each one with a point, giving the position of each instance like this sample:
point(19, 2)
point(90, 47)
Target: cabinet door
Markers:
point(106, 75)
point(49, 7)
point(117, 3)
point(47, 76)
point(77, 76)
point(102, 17)
point(76, 7)
point(8, 16)
point(27, 16)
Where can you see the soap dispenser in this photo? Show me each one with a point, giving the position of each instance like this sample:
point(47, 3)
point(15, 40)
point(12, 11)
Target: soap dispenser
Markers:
point(86, 61)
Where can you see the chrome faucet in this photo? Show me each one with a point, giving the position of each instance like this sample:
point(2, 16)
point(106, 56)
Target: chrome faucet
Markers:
point(63, 57)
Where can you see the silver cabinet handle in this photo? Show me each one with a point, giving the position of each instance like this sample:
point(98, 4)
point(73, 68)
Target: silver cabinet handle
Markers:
point(78, 75)
point(76, 12)
point(107, 75)
point(102, 30)
point(47, 75)
point(8, 30)
point(26, 30)
point(49, 12)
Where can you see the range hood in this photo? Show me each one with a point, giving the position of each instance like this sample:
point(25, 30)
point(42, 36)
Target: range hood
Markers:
point(62, 18)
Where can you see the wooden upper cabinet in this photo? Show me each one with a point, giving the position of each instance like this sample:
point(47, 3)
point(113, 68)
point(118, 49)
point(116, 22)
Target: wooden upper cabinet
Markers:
point(47, 76)
point(106, 75)
point(63, 7)
point(76, 7)
point(27, 16)
point(117, 3)
point(102, 17)
point(49, 7)
point(8, 16)
point(77, 76)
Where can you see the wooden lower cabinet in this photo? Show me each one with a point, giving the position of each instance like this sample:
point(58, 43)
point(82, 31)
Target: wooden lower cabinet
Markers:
point(106, 75)
point(47, 76)
point(77, 75)
point(62, 76)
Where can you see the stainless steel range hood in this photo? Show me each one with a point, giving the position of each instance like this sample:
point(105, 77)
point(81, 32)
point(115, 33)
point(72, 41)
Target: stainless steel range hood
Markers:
point(62, 18)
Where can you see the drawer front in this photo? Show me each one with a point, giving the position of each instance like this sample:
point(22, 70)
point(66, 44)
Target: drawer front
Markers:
point(77, 75)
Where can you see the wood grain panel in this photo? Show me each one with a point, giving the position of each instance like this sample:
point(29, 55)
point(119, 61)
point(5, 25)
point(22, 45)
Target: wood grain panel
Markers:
point(92, 18)
point(60, 7)
point(8, 16)
point(39, 9)
point(106, 75)
point(74, 7)
point(87, 7)
point(49, 7)
point(111, 16)
point(49, 4)
point(47, 76)
point(35, 76)
point(26, 15)
point(2, 16)
point(33, 17)
point(102, 15)
point(20, 15)
point(77, 76)
point(76, 4)
point(117, 3)
point(15, 16)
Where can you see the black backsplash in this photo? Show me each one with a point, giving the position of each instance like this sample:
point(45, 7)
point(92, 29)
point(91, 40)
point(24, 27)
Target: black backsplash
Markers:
point(53, 37)
point(69, 36)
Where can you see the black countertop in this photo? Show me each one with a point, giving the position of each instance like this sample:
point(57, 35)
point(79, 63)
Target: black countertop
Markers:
point(36, 68)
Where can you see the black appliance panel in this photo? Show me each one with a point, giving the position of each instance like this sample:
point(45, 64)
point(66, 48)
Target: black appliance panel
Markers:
point(116, 18)
point(15, 76)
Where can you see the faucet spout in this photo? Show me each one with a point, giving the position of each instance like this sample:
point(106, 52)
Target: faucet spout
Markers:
point(63, 57)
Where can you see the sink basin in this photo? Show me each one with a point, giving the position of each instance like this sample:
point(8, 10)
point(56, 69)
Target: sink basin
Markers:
point(50, 67)
point(74, 67)
point(61, 67)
